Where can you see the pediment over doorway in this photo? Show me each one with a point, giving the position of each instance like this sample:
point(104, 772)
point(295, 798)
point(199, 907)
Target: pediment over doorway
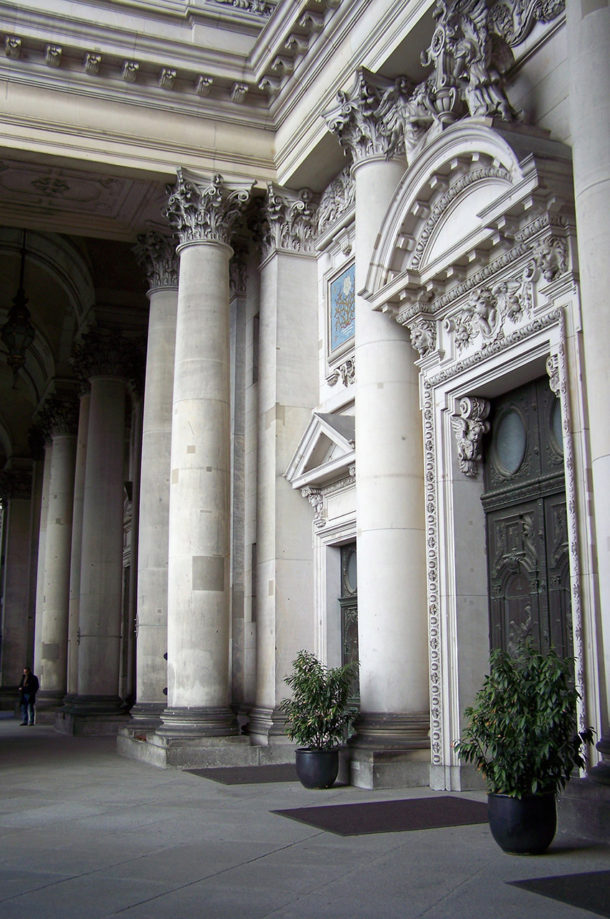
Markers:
point(326, 451)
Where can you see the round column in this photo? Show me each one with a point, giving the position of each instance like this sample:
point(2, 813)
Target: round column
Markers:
point(104, 358)
point(157, 254)
point(588, 26)
point(199, 517)
point(76, 546)
point(392, 598)
point(60, 419)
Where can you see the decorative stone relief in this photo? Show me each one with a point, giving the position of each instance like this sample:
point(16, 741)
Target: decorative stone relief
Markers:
point(12, 47)
point(336, 200)
point(289, 221)
point(552, 369)
point(156, 254)
point(53, 55)
point(346, 372)
point(203, 86)
point(130, 71)
point(238, 269)
point(316, 499)
point(92, 62)
point(513, 20)
point(256, 7)
point(423, 335)
point(488, 308)
point(205, 210)
point(552, 257)
point(470, 426)
point(238, 93)
point(167, 78)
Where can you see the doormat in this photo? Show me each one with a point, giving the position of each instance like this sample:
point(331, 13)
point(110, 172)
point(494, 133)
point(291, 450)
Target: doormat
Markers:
point(590, 891)
point(248, 775)
point(390, 816)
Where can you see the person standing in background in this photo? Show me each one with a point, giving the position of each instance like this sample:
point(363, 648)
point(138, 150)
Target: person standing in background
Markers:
point(28, 687)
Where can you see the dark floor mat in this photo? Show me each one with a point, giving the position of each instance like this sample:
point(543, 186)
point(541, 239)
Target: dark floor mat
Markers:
point(589, 891)
point(390, 816)
point(249, 775)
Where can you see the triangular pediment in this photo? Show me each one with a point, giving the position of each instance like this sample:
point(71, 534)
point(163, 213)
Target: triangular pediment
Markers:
point(325, 452)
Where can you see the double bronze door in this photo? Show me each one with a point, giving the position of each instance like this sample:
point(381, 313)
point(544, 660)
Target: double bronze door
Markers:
point(526, 522)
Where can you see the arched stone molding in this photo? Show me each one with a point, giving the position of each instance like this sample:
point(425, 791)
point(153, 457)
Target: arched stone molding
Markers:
point(477, 258)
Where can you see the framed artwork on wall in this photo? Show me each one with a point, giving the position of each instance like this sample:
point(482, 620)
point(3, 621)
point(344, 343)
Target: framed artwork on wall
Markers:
point(341, 313)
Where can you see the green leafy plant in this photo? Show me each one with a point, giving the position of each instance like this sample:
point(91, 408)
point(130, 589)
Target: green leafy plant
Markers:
point(318, 716)
point(522, 732)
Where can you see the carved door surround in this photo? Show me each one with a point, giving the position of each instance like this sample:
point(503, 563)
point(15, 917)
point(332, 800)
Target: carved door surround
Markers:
point(476, 259)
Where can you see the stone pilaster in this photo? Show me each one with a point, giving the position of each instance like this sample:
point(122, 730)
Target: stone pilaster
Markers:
point(107, 361)
point(203, 213)
point(286, 397)
point(157, 255)
point(391, 742)
point(588, 27)
point(59, 420)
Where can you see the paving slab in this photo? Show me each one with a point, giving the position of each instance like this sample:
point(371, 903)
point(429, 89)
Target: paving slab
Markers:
point(86, 832)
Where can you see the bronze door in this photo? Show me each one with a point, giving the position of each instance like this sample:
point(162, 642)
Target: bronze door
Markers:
point(348, 604)
point(525, 507)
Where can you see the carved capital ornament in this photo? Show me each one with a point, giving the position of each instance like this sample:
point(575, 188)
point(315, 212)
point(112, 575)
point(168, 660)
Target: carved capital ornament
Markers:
point(205, 210)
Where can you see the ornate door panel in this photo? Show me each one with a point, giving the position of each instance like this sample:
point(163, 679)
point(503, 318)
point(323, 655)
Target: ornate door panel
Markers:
point(524, 501)
point(348, 603)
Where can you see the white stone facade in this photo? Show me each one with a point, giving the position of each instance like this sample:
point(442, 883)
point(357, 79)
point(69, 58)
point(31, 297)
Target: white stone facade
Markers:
point(289, 256)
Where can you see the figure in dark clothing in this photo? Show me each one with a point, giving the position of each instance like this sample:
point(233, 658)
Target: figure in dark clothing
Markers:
point(28, 687)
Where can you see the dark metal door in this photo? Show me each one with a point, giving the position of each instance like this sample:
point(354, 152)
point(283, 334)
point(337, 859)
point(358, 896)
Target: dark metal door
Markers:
point(348, 604)
point(525, 507)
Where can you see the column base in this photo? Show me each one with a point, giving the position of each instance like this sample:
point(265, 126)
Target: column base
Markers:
point(266, 725)
point(390, 750)
point(601, 772)
point(91, 715)
point(207, 721)
point(584, 809)
point(147, 714)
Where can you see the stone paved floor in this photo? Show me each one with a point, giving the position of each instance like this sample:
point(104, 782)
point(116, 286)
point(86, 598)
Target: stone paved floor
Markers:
point(85, 833)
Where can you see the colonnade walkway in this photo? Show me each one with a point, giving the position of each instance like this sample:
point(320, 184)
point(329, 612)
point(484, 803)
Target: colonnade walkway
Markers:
point(86, 833)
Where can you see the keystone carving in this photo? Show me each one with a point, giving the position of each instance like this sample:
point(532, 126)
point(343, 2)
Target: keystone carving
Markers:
point(201, 209)
point(469, 427)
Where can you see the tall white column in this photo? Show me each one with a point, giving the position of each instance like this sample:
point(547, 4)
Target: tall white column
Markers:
point(105, 359)
point(287, 393)
point(42, 538)
point(203, 213)
point(157, 254)
point(392, 602)
point(588, 26)
point(59, 417)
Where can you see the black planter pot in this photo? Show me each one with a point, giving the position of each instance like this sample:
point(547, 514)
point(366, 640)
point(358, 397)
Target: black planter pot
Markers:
point(317, 768)
point(522, 826)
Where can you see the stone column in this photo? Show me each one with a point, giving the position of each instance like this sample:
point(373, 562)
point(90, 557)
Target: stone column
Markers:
point(288, 391)
point(76, 545)
point(42, 538)
point(203, 213)
point(588, 25)
point(157, 255)
point(59, 419)
point(107, 360)
point(391, 745)
point(17, 603)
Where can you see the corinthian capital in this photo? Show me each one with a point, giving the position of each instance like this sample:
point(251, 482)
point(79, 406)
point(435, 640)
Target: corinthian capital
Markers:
point(59, 416)
point(156, 254)
point(360, 119)
point(104, 352)
point(289, 221)
point(202, 209)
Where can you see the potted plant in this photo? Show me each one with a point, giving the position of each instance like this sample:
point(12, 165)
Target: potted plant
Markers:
point(522, 736)
point(318, 717)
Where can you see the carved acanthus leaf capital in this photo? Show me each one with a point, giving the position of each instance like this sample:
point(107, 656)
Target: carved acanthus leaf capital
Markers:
point(156, 254)
point(59, 416)
point(359, 119)
point(104, 352)
point(289, 221)
point(200, 210)
point(470, 426)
